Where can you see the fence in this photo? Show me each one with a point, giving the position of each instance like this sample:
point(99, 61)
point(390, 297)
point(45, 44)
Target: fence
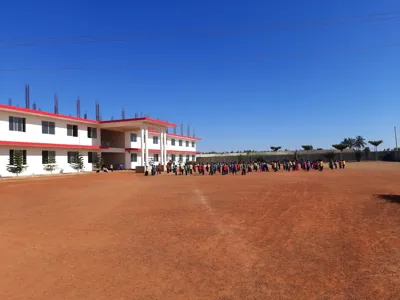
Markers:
point(301, 155)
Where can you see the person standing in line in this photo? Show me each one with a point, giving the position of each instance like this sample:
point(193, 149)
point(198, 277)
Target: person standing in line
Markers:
point(244, 167)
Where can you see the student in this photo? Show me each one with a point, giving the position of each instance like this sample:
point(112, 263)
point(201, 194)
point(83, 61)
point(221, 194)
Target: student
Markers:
point(344, 164)
point(175, 168)
point(111, 168)
point(191, 169)
point(321, 166)
point(146, 172)
point(308, 165)
point(340, 164)
point(331, 164)
point(335, 164)
point(244, 167)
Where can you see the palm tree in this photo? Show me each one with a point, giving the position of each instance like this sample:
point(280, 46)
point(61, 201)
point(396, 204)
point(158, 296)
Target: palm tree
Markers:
point(349, 142)
point(376, 144)
point(359, 142)
point(340, 147)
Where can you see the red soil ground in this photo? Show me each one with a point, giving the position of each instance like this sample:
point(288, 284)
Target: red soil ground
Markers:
point(330, 235)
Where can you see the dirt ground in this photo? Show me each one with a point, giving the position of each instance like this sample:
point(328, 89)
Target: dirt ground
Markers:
point(330, 235)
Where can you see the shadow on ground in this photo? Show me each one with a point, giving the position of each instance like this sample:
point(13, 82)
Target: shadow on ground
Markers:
point(390, 198)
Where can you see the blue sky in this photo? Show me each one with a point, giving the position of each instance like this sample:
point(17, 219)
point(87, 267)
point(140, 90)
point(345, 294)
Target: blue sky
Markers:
point(250, 90)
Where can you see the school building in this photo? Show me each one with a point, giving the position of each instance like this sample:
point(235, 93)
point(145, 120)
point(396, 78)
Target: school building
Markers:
point(39, 135)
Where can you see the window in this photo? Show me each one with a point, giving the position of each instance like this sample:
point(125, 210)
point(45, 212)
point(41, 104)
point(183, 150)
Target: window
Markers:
point(173, 157)
point(187, 143)
point(92, 133)
point(72, 130)
point(14, 152)
point(17, 124)
point(156, 157)
point(180, 142)
point(180, 157)
point(71, 156)
point(133, 157)
point(193, 157)
point(193, 144)
point(92, 157)
point(48, 157)
point(187, 157)
point(133, 137)
point(172, 142)
point(155, 139)
point(48, 127)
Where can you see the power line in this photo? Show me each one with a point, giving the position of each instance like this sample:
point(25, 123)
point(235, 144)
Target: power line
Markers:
point(198, 62)
point(89, 39)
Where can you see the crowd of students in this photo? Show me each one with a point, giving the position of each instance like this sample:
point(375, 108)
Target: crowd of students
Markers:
point(244, 168)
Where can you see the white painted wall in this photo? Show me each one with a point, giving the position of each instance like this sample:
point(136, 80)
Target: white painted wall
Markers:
point(34, 161)
point(34, 133)
point(132, 165)
point(181, 148)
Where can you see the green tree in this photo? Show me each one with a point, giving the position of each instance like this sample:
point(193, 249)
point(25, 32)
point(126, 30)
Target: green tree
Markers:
point(340, 147)
point(16, 164)
point(77, 162)
point(349, 142)
point(359, 142)
point(376, 144)
point(99, 161)
point(275, 148)
point(367, 152)
point(50, 165)
point(307, 148)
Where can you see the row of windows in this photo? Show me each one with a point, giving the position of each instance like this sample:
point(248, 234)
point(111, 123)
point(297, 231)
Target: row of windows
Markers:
point(155, 140)
point(50, 156)
point(134, 157)
point(19, 124)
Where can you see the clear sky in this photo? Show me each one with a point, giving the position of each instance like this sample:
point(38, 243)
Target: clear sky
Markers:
point(214, 65)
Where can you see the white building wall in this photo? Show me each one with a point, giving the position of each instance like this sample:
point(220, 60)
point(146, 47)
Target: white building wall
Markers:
point(34, 161)
point(34, 133)
point(180, 148)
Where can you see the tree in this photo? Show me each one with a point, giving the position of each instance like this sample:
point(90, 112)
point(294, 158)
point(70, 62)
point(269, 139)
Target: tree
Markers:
point(376, 144)
point(99, 161)
point(307, 148)
point(340, 147)
point(349, 142)
point(359, 142)
point(77, 162)
point(50, 165)
point(16, 164)
point(367, 152)
point(275, 149)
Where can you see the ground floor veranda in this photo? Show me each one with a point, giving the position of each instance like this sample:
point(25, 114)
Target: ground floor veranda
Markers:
point(35, 160)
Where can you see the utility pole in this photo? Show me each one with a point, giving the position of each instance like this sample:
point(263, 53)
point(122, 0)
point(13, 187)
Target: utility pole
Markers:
point(395, 138)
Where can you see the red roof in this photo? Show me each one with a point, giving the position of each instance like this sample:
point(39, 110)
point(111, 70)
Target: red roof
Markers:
point(53, 115)
point(48, 145)
point(164, 123)
point(176, 135)
point(43, 113)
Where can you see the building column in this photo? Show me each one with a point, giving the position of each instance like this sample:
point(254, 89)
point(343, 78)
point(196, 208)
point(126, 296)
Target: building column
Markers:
point(146, 138)
point(162, 148)
point(142, 145)
point(165, 147)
